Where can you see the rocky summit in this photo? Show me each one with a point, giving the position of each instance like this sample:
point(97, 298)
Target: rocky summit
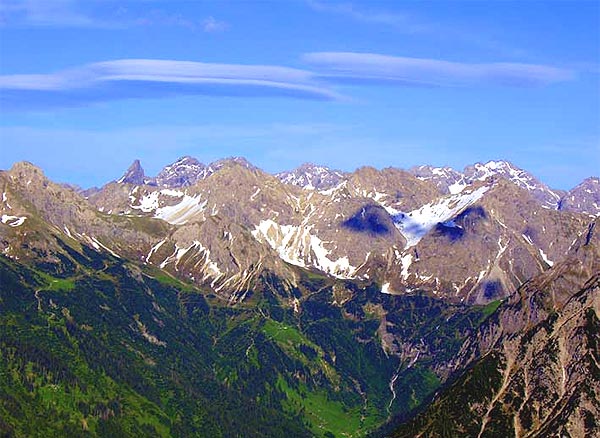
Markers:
point(220, 300)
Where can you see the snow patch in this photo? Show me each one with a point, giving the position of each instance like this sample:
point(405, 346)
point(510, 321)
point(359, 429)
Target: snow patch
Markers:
point(210, 268)
point(291, 242)
point(545, 258)
point(5, 200)
point(204, 263)
point(13, 221)
point(503, 246)
point(148, 202)
point(171, 192)
point(339, 268)
point(385, 289)
point(417, 223)
point(406, 262)
point(97, 244)
point(527, 238)
point(332, 190)
point(297, 246)
point(456, 188)
point(154, 249)
point(254, 194)
point(181, 213)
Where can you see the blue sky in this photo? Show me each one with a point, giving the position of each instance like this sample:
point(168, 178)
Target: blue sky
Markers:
point(88, 86)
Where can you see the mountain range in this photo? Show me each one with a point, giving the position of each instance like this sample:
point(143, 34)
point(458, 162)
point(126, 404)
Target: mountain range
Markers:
point(328, 303)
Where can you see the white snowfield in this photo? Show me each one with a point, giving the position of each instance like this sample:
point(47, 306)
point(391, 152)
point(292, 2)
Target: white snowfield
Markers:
point(5, 201)
point(457, 187)
point(148, 202)
point(181, 213)
point(417, 223)
point(171, 192)
point(177, 214)
point(545, 258)
point(300, 245)
point(205, 264)
point(297, 246)
point(13, 221)
point(385, 289)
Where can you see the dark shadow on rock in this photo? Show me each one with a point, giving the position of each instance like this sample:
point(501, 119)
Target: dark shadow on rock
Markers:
point(370, 219)
point(457, 228)
point(450, 230)
point(532, 233)
point(470, 215)
point(492, 289)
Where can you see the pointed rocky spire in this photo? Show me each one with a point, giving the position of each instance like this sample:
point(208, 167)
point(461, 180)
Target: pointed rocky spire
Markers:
point(133, 175)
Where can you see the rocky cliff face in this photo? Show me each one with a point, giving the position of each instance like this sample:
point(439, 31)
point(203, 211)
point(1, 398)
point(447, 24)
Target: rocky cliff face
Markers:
point(490, 247)
point(534, 365)
point(541, 192)
point(446, 179)
point(381, 259)
point(134, 174)
point(584, 198)
point(182, 173)
point(44, 210)
point(449, 180)
point(311, 176)
point(227, 224)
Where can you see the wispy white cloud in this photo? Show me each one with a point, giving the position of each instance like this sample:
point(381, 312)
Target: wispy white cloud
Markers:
point(98, 14)
point(401, 21)
point(413, 24)
point(375, 68)
point(158, 17)
point(46, 13)
point(151, 78)
point(212, 25)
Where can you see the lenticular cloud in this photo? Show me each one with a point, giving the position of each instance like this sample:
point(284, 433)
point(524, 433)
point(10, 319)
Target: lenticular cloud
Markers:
point(371, 67)
point(153, 78)
point(149, 78)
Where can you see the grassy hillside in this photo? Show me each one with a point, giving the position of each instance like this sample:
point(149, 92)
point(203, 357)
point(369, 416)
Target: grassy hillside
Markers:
point(104, 347)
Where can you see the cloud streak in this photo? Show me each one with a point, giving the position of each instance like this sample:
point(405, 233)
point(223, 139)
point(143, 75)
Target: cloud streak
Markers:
point(151, 78)
point(400, 21)
point(212, 25)
point(46, 13)
point(97, 15)
point(411, 24)
point(351, 67)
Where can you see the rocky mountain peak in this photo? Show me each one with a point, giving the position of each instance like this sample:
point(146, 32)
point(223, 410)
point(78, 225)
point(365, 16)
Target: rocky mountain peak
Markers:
point(502, 168)
point(481, 170)
point(312, 176)
point(584, 198)
point(133, 175)
point(25, 168)
point(240, 161)
point(452, 181)
point(540, 191)
point(445, 178)
point(379, 247)
point(28, 176)
point(187, 159)
point(186, 171)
